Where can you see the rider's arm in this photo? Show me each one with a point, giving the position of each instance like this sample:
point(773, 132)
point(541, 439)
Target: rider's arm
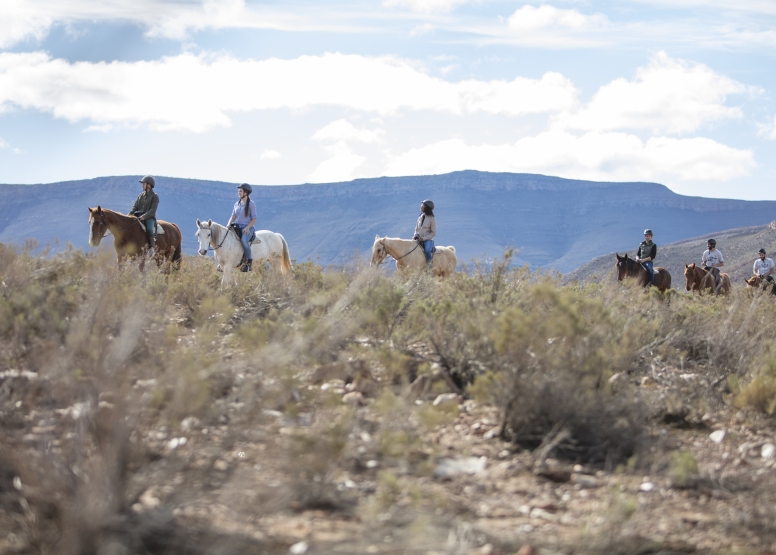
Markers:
point(432, 230)
point(151, 212)
point(252, 212)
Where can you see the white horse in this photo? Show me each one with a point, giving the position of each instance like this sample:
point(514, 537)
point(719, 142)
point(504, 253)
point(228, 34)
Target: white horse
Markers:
point(409, 255)
point(228, 250)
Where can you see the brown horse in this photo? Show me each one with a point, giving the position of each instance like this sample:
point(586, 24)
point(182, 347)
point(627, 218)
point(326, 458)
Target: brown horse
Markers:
point(756, 282)
point(129, 237)
point(698, 279)
point(629, 268)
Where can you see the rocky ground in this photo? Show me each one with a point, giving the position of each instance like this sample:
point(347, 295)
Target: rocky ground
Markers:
point(239, 483)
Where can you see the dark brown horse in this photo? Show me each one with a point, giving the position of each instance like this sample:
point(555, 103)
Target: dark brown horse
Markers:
point(698, 279)
point(629, 268)
point(129, 236)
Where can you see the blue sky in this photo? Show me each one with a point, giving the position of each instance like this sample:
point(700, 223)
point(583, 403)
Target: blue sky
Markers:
point(675, 91)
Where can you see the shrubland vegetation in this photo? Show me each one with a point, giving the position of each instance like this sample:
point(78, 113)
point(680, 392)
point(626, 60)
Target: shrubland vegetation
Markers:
point(331, 372)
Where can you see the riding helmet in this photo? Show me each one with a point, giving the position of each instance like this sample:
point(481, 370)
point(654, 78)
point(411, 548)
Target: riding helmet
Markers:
point(245, 187)
point(429, 203)
point(761, 251)
point(712, 242)
point(648, 232)
point(150, 180)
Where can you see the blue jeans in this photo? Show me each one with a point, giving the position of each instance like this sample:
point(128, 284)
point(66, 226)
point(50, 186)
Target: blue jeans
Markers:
point(651, 270)
point(246, 235)
point(150, 226)
point(428, 250)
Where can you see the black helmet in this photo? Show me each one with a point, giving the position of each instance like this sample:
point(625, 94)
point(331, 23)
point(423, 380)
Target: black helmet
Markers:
point(761, 251)
point(648, 232)
point(150, 180)
point(712, 242)
point(429, 203)
point(245, 187)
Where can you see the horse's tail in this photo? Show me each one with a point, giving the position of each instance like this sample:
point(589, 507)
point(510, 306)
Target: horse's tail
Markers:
point(285, 265)
point(177, 254)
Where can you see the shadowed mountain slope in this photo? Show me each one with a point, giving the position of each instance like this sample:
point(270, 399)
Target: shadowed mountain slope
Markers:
point(553, 222)
point(738, 246)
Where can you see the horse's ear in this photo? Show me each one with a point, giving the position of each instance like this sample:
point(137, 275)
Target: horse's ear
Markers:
point(685, 265)
point(377, 237)
point(209, 223)
point(89, 209)
point(199, 224)
point(98, 209)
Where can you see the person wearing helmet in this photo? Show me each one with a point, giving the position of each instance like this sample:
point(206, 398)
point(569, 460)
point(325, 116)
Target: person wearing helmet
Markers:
point(646, 254)
point(144, 210)
point(712, 260)
point(244, 215)
point(764, 268)
point(425, 230)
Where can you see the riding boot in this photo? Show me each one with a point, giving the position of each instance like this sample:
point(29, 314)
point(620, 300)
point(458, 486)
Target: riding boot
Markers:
point(247, 266)
point(152, 246)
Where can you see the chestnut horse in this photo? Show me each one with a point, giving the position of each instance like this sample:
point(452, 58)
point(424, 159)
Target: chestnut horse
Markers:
point(698, 279)
point(129, 236)
point(628, 268)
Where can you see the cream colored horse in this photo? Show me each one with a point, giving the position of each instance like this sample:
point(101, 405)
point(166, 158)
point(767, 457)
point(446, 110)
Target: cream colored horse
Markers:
point(409, 255)
point(228, 251)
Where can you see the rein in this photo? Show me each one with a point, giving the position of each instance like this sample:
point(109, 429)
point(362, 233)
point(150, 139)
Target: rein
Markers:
point(211, 248)
point(417, 244)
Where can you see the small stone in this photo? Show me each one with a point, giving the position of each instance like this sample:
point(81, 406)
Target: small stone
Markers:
point(617, 377)
point(527, 549)
point(466, 465)
point(17, 483)
point(149, 499)
point(717, 436)
point(768, 451)
point(647, 487)
point(446, 398)
point(490, 434)
point(584, 481)
point(647, 381)
point(189, 423)
point(221, 465)
point(176, 442)
point(372, 464)
point(299, 548)
point(353, 398)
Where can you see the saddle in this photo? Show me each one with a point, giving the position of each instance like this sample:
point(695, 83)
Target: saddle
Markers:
point(158, 230)
point(237, 231)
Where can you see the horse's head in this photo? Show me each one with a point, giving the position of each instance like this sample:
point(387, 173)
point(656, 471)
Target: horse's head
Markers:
point(379, 251)
point(622, 266)
point(204, 235)
point(690, 276)
point(98, 226)
point(754, 281)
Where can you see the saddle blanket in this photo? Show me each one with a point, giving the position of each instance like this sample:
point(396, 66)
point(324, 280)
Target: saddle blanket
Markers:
point(159, 229)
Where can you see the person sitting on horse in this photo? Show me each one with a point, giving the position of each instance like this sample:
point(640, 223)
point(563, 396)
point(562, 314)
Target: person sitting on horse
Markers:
point(646, 254)
point(425, 230)
point(144, 210)
point(244, 215)
point(764, 268)
point(712, 260)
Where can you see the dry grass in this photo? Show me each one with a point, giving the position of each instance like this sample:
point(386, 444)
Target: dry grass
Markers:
point(147, 355)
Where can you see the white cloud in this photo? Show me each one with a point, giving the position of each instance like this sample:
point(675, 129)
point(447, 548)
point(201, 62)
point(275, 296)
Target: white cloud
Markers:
point(98, 129)
point(343, 130)
point(3, 144)
point(421, 30)
point(530, 19)
point(668, 95)
point(765, 7)
point(425, 6)
point(187, 91)
point(269, 154)
point(340, 167)
point(596, 156)
point(767, 130)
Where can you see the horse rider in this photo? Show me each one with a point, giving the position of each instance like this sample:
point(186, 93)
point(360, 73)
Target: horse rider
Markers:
point(646, 254)
point(764, 268)
point(244, 216)
point(144, 210)
point(425, 230)
point(712, 260)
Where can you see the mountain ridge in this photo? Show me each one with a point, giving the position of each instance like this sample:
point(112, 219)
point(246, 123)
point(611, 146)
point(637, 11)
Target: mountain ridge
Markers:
point(554, 223)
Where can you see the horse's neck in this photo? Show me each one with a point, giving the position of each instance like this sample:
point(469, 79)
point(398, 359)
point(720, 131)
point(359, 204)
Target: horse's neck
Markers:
point(115, 220)
point(219, 234)
point(398, 247)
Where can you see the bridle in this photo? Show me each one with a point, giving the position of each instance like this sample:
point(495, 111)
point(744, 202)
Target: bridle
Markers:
point(103, 223)
point(210, 239)
point(382, 242)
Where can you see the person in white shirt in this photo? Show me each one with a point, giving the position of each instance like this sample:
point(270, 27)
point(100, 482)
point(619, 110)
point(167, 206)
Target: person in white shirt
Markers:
point(764, 268)
point(712, 260)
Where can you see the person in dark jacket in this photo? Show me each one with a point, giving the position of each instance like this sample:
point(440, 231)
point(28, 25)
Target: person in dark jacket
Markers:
point(646, 254)
point(144, 210)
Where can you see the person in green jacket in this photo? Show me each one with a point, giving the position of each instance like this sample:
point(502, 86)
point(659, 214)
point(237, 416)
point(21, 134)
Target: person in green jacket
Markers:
point(144, 210)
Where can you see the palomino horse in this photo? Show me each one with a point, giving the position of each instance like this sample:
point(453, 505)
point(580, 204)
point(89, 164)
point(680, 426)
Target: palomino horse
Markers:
point(409, 255)
point(129, 236)
point(627, 267)
point(228, 250)
point(698, 279)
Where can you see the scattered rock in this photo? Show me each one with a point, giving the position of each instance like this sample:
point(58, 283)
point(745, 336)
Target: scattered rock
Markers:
point(448, 468)
point(584, 481)
point(717, 436)
point(768, 451)
point(647, 487)
point(299, 548)
point(189, 423)
point(149, 500)
point(176, 442)
point(647, 381)
point(527, 549)
point(221, 465)
point(353, 398)
point(446, 398)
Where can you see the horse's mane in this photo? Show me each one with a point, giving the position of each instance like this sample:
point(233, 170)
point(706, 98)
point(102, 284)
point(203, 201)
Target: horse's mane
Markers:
point(217, 230)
